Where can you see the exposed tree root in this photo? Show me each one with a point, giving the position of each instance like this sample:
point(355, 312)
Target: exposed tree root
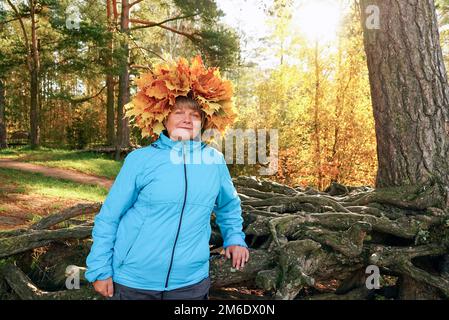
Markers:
point(301, 240)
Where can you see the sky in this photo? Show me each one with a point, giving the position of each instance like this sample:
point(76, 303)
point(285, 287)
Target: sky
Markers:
point(246, 14)
point(314, 19)
point(249, 18)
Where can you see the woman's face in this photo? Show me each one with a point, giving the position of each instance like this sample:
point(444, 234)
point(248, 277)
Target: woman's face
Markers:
point(183, 123)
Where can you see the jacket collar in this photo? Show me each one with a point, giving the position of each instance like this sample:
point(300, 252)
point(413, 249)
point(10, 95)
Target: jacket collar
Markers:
point(165, 142)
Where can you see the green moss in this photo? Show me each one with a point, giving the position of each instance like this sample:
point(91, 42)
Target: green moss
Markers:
point(422, 237)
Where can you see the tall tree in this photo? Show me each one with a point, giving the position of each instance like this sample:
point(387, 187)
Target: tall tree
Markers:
point(123, 93)
point(410, 93)
point(410, 97)
point(3, 142)
point(110, 87)
point(33, 63)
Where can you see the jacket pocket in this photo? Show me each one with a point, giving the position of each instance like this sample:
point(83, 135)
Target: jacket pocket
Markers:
point(205, 252)
point(131, 244)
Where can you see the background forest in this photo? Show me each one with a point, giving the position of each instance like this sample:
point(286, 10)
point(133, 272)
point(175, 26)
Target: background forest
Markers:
point(307, 79)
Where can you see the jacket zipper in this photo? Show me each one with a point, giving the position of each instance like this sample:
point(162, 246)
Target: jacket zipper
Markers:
point(180, 219)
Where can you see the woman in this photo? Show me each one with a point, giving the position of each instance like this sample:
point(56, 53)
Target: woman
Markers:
point(151, 236)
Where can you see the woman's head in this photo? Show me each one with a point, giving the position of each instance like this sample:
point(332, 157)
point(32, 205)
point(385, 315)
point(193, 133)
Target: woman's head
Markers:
point(185, 120)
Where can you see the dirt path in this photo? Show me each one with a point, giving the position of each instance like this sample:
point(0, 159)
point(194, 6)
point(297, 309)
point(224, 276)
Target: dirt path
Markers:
point(56, 172)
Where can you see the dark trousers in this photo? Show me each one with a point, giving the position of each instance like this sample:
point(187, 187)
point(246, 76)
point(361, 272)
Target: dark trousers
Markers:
point(197, 291)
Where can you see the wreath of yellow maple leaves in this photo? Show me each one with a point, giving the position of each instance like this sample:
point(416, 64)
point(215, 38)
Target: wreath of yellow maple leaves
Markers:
point(158, 89)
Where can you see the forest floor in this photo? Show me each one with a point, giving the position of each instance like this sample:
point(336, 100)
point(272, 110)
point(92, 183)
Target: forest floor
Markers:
point(78, 161)
point(34, 184)
point(29, 192)
point(59, 173)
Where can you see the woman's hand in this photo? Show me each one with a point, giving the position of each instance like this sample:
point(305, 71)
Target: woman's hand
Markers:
point(239, 254)
point(104, 287)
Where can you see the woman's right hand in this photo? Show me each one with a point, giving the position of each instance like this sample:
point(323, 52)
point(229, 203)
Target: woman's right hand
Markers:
point(104, 287)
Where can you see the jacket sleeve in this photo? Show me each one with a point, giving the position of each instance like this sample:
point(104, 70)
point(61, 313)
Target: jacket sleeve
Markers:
point(120, 198)
point(228, 211)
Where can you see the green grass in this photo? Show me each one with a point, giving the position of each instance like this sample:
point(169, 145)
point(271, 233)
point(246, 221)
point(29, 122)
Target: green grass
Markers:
point(82, 161)
point(35, 183)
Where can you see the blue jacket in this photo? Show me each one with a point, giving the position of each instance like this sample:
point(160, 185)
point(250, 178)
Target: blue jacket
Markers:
point(153, 229)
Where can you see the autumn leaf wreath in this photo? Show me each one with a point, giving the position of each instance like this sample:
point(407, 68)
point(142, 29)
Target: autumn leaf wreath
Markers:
point(158, 89)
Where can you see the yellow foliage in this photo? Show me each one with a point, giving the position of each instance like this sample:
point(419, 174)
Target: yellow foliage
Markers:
point(320, 103)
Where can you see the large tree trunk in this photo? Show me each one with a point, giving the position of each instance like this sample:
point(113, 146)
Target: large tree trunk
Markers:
point(410, 97)
point(409, 92)
point(3, 142)
point(123, 94)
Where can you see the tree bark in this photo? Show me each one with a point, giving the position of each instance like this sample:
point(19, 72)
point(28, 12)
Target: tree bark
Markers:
point(410, 97)
point(34, 85)
point(3, 140)
point(409, 92)
point(27, 290)
point(40, 238)
point(123, 94)
point(110, 86)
